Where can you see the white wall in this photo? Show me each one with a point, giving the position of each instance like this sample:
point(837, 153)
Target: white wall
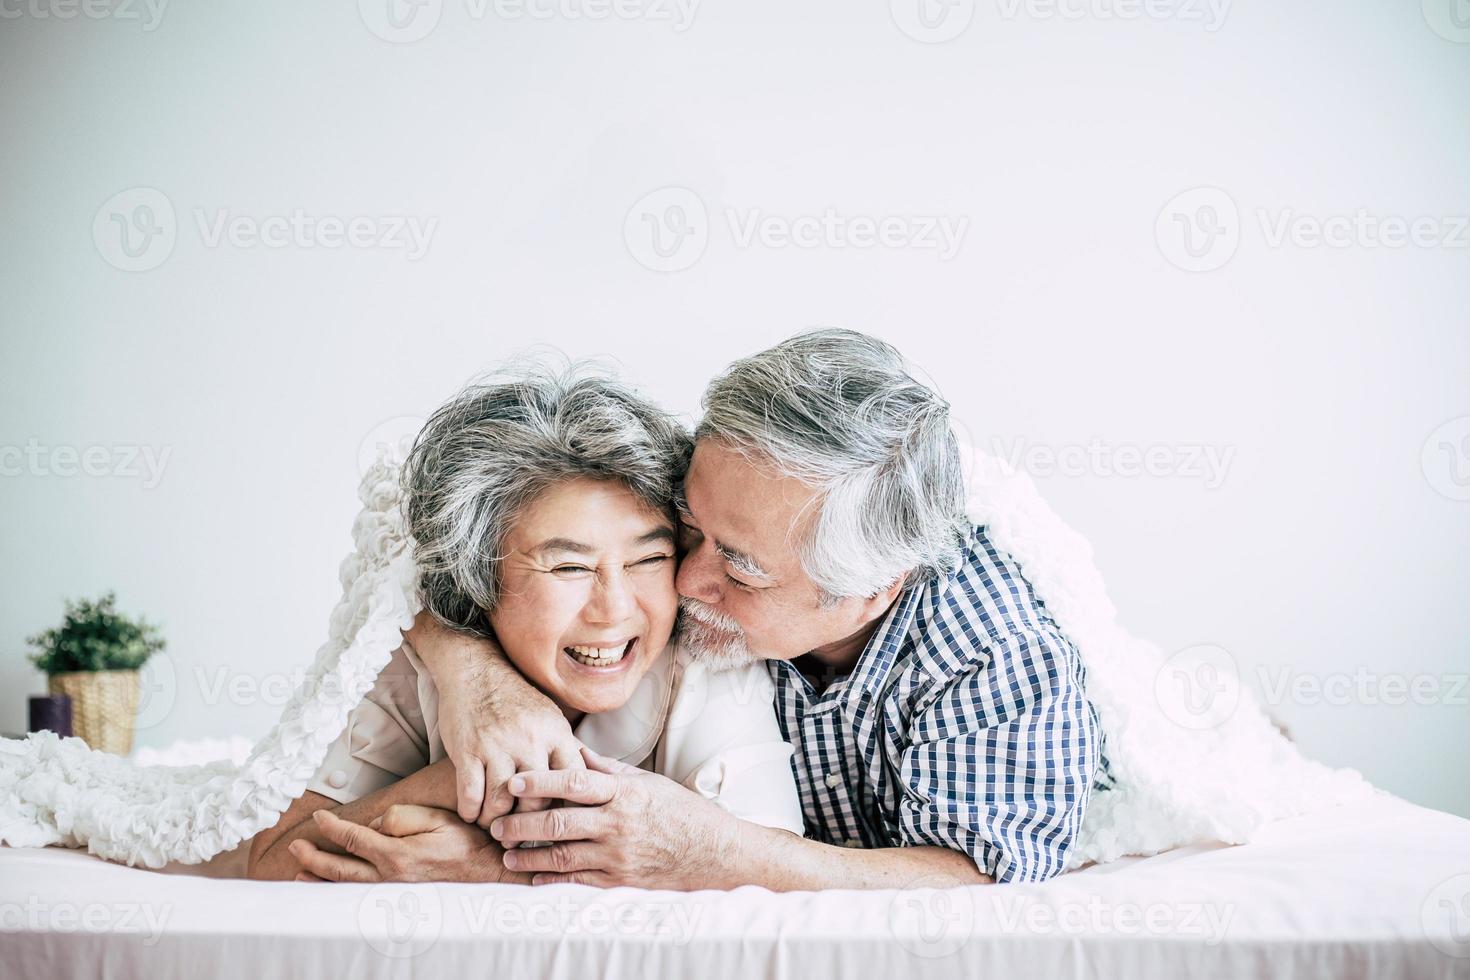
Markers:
point(1328, 549)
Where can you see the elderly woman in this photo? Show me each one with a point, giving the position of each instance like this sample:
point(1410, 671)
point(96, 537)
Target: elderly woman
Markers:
point(541, 513)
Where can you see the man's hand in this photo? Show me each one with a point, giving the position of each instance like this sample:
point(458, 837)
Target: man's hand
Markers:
point(627, 827)
point(407, 843)
point(494, 724)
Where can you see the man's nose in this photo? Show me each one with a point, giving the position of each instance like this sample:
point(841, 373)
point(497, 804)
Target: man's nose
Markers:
point(698, 576)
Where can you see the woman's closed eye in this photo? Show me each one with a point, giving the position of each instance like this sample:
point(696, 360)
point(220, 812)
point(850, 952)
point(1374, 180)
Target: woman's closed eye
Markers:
point(574, 571)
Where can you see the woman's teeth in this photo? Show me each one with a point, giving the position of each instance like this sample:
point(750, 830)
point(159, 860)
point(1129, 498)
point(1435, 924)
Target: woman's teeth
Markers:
point(599, 656)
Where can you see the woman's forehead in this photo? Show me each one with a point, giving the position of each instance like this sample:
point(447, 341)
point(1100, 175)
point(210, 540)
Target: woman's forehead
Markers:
point(585, 516)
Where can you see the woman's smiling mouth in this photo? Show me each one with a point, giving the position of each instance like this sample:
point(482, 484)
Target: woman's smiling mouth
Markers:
point(601, 657)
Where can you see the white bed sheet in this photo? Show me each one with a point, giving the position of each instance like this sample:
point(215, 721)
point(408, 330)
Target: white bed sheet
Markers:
point(1380, 889)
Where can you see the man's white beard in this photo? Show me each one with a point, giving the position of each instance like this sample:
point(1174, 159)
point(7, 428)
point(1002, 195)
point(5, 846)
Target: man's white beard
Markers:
point(713, 638)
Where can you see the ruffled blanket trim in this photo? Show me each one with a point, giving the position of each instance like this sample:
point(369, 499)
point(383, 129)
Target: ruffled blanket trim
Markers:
point(58, 791)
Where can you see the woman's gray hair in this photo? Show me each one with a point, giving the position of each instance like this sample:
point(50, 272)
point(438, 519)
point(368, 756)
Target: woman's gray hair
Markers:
point(506, 438)
point(839, 411)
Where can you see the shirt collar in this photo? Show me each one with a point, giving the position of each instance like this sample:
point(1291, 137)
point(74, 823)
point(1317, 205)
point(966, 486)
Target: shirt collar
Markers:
point(876, 661)
point(878, 656)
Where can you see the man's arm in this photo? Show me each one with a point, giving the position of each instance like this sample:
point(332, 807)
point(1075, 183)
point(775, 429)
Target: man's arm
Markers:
point(270, 854)
point(492, 721)
point(638, 828)
point(782, 862)
point(1003, 769)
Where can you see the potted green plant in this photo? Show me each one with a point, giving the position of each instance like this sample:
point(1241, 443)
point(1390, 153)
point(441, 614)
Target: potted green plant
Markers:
point(93, 657)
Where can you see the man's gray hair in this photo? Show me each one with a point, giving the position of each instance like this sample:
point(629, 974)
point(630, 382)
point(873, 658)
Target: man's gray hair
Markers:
point(506, 438)
point(839, 411)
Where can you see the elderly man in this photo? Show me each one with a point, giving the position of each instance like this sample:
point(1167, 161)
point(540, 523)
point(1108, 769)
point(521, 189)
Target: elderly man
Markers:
point(938, 716)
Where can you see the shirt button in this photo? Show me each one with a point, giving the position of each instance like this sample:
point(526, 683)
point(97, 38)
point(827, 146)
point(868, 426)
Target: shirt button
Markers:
point(337, 779)
point(833, 780)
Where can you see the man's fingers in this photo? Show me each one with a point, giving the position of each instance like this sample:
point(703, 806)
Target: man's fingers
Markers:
point(562, 757)
point(354, 838)
point(558, 858)
point(573, 785)
point(529, 804)
point(562, 824)
point(308, 876)
point(331, 867)
point(403, 819)
point(603, 763)
point(469, 788)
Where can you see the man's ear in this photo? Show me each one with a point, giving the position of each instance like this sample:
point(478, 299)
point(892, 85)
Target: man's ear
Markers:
point(876, 605)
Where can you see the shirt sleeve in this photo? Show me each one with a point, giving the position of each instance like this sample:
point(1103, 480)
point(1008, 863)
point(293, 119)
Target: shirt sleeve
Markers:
point(386, 738)
point(1003, 758)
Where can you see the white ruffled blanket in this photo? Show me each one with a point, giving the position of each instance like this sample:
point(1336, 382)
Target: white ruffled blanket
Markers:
point(1174, 784)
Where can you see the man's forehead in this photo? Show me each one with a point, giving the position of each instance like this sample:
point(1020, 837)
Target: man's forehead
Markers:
point(754, 506)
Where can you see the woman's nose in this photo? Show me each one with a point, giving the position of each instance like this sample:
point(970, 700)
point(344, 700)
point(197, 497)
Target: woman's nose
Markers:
point(612, 599)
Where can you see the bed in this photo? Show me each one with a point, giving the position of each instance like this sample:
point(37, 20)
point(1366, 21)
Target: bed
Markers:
point(1377, 889)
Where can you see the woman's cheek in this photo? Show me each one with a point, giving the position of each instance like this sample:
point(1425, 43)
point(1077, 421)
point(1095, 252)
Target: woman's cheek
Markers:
point(556, 607)
point(661, 603)
point(534, 620)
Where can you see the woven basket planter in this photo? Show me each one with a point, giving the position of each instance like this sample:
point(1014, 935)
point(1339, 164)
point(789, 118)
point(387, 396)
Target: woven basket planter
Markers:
point(104, 706)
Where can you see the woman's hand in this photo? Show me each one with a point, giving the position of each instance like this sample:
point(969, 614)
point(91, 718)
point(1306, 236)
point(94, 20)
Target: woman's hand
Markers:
point(494, 724)
point(407, 843)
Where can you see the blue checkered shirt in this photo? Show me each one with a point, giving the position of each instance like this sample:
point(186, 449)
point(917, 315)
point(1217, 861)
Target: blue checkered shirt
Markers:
point(964, 724)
